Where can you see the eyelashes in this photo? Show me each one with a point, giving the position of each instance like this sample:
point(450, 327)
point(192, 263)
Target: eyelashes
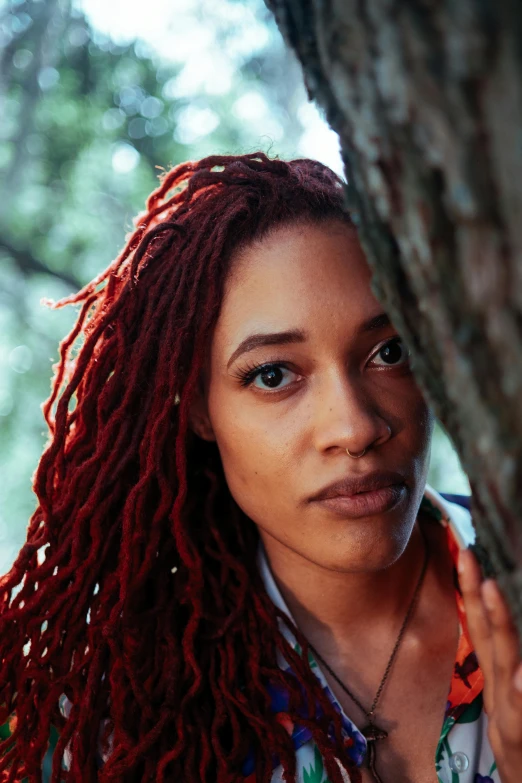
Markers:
point(248, 374)
point(274, 370)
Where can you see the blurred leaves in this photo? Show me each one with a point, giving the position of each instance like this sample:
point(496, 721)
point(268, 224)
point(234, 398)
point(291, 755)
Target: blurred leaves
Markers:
point(87, 125)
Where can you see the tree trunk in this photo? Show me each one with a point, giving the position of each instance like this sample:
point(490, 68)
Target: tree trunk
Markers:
point(427, 100)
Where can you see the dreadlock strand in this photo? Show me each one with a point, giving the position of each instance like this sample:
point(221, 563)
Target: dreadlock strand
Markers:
point(148, 586)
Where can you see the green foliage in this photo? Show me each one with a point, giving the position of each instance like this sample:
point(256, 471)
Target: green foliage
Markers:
point(87, 127)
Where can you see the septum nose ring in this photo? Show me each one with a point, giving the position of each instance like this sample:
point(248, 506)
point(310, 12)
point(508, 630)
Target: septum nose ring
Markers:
point(356, 456)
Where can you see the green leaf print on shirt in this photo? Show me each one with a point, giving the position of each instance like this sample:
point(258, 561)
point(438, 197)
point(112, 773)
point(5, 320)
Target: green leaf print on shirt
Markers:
point(311, 660)
point(454, 775)
point(472, 711)
point(315, 774)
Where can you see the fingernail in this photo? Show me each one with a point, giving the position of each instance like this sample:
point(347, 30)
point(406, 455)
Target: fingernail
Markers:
point(517, 680)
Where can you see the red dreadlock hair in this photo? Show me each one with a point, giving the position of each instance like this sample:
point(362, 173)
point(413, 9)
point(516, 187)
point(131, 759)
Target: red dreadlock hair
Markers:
point(136, 593)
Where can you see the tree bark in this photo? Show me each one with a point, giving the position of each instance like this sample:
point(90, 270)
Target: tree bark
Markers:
point(427, 100)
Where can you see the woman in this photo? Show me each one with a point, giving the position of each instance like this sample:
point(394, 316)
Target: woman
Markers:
point(236, 570)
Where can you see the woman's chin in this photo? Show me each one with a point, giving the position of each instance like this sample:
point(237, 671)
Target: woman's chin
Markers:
point(373, 549)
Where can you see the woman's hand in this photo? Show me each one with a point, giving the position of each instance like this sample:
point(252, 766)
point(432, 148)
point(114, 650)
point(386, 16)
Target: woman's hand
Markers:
point(495, 640)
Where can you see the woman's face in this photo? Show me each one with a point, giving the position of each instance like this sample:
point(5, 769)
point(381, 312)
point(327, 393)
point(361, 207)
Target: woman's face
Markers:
point(295, 377)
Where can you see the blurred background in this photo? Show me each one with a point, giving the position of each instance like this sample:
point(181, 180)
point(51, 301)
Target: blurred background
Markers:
point(96, 98)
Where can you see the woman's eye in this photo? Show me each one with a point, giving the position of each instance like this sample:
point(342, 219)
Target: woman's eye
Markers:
point(272, 376)
point(393, 352)
point(269, 376)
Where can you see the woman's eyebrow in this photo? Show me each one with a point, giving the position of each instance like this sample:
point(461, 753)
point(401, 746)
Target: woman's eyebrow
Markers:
point(274, 338)
point(379, 321)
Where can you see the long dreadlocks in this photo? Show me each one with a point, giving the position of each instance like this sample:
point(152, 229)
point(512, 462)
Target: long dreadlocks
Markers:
point(136, 593)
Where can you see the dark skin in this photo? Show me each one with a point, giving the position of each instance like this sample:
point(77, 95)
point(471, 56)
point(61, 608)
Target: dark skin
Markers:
point(282, 432)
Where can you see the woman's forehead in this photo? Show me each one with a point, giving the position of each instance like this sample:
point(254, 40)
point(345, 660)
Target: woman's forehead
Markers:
point(296, 274)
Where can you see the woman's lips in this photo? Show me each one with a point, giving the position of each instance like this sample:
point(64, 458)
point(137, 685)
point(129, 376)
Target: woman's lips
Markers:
point(365, 504)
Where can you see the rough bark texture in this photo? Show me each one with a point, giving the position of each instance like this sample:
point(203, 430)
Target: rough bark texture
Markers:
point(427, 99)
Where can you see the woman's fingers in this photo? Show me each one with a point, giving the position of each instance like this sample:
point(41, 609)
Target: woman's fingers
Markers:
point(495, 640)
point(506, 662)
point(503, 634)
point(477, 619)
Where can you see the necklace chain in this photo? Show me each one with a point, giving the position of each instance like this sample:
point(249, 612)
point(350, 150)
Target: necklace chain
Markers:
point(372, 731)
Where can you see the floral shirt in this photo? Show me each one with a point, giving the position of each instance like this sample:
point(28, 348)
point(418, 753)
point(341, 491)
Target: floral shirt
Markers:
point(463, 753)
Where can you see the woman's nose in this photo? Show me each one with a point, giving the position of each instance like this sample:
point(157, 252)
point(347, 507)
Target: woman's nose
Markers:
point(348, 417)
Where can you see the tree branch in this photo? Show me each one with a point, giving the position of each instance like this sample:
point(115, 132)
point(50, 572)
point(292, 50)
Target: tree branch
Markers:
point(28, 265)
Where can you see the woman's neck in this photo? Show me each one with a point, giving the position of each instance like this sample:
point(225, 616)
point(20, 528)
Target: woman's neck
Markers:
point(330, 607)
